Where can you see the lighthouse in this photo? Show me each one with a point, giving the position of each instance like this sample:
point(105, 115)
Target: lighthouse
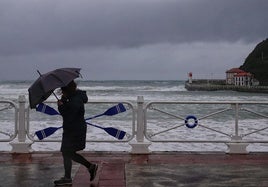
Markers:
point(190, 75)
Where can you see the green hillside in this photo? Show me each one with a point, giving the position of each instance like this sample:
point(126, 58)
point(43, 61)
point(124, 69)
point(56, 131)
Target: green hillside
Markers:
point(257, 63)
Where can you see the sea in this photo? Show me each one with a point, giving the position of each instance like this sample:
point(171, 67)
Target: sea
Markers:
point(164, 121)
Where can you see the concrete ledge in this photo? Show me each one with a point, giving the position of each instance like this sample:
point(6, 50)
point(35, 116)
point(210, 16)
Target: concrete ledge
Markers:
point(237, 148)
point(21, 147)
point(140, 147)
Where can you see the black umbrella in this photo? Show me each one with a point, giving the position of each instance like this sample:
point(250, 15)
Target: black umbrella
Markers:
point(44, 86)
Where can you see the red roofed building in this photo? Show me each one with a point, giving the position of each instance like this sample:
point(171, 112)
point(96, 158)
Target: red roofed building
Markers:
point(238, 77)
point(243, 79)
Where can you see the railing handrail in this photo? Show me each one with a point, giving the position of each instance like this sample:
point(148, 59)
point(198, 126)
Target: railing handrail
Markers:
point(206, 102)
point(236, 138)
point(139, 126)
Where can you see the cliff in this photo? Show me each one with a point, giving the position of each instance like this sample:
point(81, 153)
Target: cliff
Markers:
point(257, 63)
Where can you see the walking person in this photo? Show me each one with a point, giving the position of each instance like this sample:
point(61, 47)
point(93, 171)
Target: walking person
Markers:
point(71, 107)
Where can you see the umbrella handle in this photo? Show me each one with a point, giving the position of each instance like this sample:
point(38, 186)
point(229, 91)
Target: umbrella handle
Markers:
point(55, 96)
point(39, 73)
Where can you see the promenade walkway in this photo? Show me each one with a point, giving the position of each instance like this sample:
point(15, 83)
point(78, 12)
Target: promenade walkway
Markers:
point(119, 169)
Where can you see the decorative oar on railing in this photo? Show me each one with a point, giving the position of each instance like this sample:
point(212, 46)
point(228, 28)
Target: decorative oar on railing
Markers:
point(41, 134)
point(119, 134)
point(119, 108)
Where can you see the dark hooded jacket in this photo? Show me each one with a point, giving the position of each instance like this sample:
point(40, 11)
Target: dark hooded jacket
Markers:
point(74, 125)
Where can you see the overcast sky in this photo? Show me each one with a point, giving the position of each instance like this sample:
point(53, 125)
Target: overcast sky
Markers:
point(129, 39)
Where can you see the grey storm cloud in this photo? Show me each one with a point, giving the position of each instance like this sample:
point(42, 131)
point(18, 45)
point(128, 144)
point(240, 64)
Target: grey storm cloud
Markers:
point(33, 25)
point(128, 39)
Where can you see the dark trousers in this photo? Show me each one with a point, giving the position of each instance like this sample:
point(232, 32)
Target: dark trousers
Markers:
point(68, 156)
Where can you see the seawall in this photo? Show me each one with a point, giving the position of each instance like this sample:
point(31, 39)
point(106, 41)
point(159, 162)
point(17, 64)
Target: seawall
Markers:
point(215, 85)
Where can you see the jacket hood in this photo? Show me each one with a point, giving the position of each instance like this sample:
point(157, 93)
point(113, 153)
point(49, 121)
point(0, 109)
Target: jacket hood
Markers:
point(83, 95)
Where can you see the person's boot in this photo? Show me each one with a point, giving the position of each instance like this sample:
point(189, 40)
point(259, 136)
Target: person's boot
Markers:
point(63, 181)
point(93, 171)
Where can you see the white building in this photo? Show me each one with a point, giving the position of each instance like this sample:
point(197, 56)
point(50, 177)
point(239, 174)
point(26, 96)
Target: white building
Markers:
point(243, 79)
point(238, 77)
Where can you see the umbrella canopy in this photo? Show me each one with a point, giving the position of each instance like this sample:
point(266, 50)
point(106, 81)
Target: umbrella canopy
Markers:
point(44, 86)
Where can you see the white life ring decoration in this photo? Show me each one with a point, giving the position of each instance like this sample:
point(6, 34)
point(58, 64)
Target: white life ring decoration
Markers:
point(191, 121)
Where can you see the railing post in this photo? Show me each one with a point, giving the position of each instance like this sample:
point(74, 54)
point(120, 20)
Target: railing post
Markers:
point(140, 119)
point(236, 147)
point(21, 146)
point(140, 147)
point(21, 119)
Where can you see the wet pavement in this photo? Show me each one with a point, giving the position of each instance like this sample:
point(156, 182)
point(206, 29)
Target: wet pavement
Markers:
point(119, 169)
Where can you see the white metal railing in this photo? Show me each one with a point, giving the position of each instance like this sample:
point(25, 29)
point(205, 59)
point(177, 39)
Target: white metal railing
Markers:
point(7, 107)
point(234, 123)
point(231, 138)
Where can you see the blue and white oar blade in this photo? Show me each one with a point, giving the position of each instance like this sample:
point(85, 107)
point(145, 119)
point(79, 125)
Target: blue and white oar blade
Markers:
point(121, 135)
point(115, 132)
point(111, 111)
point(41, 134)
point(121, 107)
point(46, 109)
point(115, 110)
